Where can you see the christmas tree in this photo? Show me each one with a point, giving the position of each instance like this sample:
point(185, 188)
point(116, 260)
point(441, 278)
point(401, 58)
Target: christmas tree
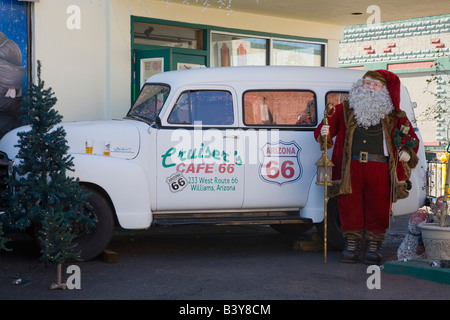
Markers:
point(41, 192)
point(3, 216)
point(3, 240)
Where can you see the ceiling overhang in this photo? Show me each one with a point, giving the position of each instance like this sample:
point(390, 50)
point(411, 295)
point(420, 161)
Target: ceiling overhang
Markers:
point(342, 13)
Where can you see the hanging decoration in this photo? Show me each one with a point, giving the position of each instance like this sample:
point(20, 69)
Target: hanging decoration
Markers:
point(205, 4)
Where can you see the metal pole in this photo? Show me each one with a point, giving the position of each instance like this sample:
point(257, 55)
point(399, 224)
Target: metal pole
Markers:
point(446, 186)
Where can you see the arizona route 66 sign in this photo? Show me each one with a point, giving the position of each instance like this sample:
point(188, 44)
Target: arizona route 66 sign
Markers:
point(280, 162)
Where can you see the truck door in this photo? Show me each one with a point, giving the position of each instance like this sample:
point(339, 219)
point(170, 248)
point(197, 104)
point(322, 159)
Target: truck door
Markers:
point(198, 163)
point(284, 150)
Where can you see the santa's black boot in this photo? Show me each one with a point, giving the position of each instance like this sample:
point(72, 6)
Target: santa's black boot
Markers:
point(374, 243)
point(352, 247)
point(372, 255)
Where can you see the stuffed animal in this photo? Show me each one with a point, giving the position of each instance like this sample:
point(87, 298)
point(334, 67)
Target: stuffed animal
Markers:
point(412, 246)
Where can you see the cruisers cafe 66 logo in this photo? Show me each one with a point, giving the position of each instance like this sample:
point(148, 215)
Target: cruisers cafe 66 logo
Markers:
point(280, 162)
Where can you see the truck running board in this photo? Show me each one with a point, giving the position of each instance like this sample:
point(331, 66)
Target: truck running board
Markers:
point(233, 218)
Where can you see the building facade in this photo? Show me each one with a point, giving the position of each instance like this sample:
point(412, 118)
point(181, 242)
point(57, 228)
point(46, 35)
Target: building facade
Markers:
point(96, 54)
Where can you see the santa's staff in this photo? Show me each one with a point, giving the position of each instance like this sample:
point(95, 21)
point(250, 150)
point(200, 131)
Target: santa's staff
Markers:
point(324, 169)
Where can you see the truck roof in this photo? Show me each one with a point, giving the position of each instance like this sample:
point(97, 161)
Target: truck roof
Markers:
point(257, 74)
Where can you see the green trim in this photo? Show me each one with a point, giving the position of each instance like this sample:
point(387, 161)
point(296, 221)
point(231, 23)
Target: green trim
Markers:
point(419, 269)
point(267, 35)
point(209, 29)
point(177, 50)
point(444, 62)
point(375, 65)
point(395, 22)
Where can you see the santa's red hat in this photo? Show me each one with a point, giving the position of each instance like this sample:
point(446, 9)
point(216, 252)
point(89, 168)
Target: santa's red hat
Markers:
point(391, 81)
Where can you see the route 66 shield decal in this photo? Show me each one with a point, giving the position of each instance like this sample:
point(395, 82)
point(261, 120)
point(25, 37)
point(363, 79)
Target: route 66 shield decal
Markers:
point(176, 182)
point(280, 162)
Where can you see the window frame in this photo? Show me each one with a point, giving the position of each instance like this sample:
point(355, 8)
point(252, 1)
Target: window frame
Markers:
point(322, 55)
point(198, 32)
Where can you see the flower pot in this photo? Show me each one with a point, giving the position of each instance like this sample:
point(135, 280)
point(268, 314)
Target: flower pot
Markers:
point(436, 240)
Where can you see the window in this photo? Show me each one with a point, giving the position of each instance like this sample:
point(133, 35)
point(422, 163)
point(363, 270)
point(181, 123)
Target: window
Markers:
point(244, 50)
point(209, 107)
point(167, 36)
point(280, 107)
point(295, 53)
point(234, 50)
point(149, 102)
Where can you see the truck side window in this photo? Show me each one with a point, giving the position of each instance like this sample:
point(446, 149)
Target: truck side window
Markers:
point(336, 97)
point(181, 112)
point(210, 107)
point(280, 107)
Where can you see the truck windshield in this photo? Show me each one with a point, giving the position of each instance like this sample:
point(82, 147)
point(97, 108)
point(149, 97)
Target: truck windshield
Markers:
point(149, 103)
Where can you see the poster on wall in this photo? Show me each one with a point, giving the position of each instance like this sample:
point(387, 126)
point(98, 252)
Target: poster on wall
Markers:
point(186, 66)
point(13, 62)
point(150, 67)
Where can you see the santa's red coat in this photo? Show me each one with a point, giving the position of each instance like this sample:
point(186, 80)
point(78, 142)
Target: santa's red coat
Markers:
point(342, 126)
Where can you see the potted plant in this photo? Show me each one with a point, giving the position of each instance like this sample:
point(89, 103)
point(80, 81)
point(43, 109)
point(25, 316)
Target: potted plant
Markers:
point(436, 234)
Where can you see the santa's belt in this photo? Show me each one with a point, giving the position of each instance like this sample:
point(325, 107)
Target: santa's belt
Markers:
point(366, 157)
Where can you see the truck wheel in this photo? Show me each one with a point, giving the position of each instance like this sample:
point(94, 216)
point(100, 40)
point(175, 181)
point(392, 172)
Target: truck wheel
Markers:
point(334, 232)
point(93, 241)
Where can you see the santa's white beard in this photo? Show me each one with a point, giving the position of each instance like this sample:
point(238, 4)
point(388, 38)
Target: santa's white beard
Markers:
point(369, 106)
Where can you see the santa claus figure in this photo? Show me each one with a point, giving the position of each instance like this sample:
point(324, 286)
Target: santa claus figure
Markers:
point(375, 148)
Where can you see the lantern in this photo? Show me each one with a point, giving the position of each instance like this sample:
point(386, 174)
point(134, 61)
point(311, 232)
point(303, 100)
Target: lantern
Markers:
point(324, 170)
point(324, 164)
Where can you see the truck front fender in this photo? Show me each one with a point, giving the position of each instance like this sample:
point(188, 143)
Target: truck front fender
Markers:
point(125, 183)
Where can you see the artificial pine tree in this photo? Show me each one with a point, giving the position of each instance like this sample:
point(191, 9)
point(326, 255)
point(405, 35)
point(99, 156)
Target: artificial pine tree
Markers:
point(42, 193)
point(3, 217)
point(56, 239)
point(3, 240)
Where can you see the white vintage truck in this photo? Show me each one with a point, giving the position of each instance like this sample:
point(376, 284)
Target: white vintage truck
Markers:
point(222, 146)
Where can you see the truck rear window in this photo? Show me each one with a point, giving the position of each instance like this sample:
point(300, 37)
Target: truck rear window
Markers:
point(336, 97)
point(280, 108)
